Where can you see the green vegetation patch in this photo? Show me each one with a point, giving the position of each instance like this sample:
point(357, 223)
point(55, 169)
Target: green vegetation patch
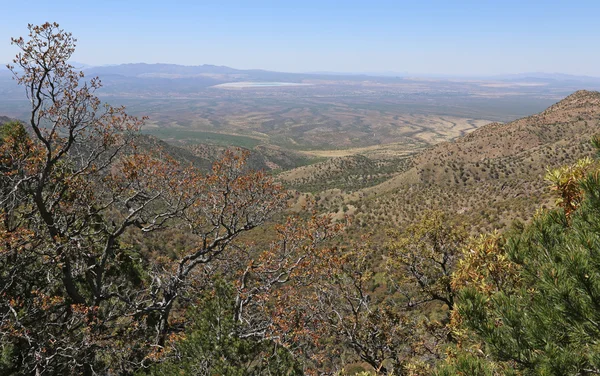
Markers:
point(204, 137)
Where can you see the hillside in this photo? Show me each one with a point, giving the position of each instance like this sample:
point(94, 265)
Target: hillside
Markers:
point(563, 121)
point(349, 173)
point(5, 119)
point(261, 157)
point(490, 177)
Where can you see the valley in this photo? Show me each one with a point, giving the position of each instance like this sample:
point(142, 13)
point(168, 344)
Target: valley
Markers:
point(382, 149)
point(311, 112)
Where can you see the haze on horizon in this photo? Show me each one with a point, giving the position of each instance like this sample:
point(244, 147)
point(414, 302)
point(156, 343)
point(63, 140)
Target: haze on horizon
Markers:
point(465, 38)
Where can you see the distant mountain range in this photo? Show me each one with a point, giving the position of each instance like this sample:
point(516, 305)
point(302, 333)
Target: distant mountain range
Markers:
point(215, 74)
point(143, 69)
point(540, 76)
point(180, 71)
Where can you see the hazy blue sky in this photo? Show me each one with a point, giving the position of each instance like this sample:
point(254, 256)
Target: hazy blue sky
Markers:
point(451, 37)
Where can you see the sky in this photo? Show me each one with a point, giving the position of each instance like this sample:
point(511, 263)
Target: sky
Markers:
point(466, 38)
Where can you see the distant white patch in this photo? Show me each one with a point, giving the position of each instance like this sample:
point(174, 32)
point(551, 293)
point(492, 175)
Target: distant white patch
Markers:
point(248, 84)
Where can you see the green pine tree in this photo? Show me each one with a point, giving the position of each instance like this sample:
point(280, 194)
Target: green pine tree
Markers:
point(545, 318)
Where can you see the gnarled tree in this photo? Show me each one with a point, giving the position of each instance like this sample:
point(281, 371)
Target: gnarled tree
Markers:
point(75, 298)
